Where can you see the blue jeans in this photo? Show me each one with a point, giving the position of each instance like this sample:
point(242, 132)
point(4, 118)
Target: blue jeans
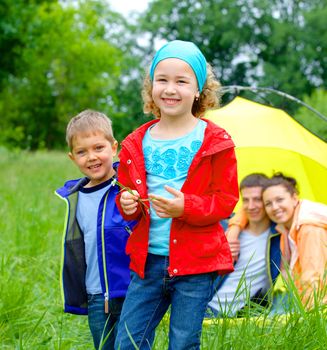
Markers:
point(148, 299)
point(102, 324)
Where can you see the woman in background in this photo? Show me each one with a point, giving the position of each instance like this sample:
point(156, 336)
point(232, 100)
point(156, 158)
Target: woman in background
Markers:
point(303, 228)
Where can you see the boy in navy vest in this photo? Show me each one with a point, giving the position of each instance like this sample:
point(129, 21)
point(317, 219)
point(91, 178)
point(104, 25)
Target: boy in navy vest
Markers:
point(95, 269)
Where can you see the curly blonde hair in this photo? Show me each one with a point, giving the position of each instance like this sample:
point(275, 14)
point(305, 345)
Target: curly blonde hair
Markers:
point(209, 97)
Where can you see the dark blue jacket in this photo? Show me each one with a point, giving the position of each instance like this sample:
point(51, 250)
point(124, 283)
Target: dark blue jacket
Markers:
point(112, 234)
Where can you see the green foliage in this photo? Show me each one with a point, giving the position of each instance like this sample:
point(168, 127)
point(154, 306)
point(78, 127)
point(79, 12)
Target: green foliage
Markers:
point(72, 59)
point(60, 57)
point(14, 18)
point(31, 225)
point(260, 42)
point(318, 101)
point(275, 44)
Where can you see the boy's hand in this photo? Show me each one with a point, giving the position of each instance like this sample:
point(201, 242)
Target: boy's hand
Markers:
point(168, 208)
point(232, 234)
point(129, 202)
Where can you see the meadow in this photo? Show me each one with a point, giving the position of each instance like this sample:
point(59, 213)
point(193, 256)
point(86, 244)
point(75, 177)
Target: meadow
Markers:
point(31, 317)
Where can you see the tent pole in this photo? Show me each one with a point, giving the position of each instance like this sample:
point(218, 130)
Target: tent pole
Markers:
point(236, 88)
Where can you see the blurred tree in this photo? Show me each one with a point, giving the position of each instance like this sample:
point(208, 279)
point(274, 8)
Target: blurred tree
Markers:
point(271, 43)
point(317, 100)
point(60, 57)
point(14, 19)
point(71, 57)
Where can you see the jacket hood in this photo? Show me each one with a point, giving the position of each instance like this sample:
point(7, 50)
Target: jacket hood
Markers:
point(71, 186)
point(312, 213)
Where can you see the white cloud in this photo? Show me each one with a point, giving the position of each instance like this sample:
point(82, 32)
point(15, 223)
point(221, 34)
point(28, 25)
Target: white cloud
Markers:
point(128, 6)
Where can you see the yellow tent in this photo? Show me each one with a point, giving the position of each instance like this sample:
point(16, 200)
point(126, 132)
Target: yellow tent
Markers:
point(268, 140)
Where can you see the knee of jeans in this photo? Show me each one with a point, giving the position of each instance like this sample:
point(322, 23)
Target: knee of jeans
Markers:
point(123, 339)
point(127, 342)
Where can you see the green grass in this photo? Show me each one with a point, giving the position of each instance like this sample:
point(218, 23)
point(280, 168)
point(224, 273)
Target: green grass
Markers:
point(31, 317)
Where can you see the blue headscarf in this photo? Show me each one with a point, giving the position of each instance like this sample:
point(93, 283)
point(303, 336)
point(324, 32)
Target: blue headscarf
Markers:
point(186, 51)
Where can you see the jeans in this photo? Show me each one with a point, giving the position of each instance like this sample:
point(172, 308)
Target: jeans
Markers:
point(102, 324)
point(148, 299)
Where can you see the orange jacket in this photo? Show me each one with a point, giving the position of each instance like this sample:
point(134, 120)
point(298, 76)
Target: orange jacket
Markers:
point(308, 237)
point(308, 261)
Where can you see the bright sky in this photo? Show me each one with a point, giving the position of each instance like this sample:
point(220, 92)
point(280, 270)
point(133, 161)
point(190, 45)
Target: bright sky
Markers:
point(127, 6)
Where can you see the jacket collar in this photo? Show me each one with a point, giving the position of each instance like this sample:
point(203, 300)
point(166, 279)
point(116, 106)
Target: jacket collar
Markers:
point(73, 186)
point(216, 138)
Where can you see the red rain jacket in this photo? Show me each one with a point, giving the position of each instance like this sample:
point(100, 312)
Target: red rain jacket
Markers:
point(197, 240)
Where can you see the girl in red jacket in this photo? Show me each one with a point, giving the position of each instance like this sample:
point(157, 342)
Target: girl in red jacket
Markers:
point(185, 166)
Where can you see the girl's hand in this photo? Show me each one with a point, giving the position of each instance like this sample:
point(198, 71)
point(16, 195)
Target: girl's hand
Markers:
point(129, 202)
point(168, 208)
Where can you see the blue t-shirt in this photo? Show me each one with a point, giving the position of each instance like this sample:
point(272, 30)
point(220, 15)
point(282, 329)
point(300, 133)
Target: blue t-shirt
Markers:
point(87, 214)
point(167, 163)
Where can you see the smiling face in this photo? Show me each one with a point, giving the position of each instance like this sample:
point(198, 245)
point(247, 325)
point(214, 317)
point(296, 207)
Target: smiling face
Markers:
point(280, 204)
point(174, 88)
point(253, 204)
point(93, 154)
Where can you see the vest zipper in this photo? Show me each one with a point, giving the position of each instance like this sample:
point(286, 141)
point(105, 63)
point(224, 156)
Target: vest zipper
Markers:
point(106, 303)
point(129, 231)
point(106, 294)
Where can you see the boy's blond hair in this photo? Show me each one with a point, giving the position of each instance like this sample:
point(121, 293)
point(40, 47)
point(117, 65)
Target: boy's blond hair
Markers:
point(209, 97)
point(87, 122)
